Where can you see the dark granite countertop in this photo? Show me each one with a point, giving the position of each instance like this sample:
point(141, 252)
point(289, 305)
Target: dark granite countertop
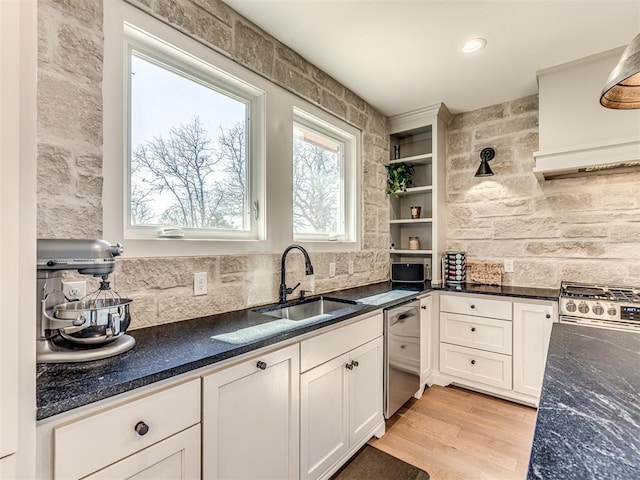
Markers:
point(503, 290)
point(588, 423)
point(165, 351)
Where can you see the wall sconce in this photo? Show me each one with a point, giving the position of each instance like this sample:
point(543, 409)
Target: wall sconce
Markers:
point(622, 90)
point(484, 170)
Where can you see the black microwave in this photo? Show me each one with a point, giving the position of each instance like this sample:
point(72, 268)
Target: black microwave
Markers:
point(410, 272)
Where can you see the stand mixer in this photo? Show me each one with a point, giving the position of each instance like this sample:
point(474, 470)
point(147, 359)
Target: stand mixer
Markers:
point(88, 329)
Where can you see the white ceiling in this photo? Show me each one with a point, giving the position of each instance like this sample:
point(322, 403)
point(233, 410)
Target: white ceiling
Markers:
point(400, 55)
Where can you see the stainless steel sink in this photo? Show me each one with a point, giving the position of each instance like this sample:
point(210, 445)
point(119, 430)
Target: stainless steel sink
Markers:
point(313, 307)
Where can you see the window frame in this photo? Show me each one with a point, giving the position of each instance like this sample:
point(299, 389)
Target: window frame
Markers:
point(347, 209)
point(187, 65)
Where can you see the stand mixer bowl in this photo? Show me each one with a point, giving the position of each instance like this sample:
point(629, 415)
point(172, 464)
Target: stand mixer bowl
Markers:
point(94, 323)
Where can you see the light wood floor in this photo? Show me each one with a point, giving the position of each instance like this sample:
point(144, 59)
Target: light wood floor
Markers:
point(454, 433)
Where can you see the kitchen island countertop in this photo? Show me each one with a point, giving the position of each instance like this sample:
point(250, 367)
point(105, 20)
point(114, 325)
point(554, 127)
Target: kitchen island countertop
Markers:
point(588, 422)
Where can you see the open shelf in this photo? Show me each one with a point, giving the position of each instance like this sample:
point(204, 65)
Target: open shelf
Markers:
point(418, 139)
point(398, 251)
point(416, 190)
point(422, 159)
point(412, 220)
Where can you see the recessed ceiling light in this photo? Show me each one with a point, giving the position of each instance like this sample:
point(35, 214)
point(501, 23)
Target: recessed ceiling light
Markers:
point(473, 45)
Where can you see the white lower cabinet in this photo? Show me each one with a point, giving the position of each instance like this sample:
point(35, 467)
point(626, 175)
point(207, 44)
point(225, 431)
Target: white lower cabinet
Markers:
point(158, 432)
point(531, 332)
point(340, 402)
point(251, 418)
point(8, 467)
point(176, 458)
point(495, 345)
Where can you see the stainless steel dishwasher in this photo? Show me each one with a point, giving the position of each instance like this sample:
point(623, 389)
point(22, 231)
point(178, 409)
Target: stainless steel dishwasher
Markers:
point(401, 355)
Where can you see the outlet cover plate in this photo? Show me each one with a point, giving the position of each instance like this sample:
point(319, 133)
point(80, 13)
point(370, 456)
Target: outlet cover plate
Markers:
point(332, 269)
point(74, 290)
point(200, 283)
point(508, 266)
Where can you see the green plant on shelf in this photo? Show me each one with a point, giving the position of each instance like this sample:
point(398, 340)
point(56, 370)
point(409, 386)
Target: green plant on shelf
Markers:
point(398, 177)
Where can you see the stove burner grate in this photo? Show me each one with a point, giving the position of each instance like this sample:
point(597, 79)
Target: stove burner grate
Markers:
point(625, 295)
point(585, 292)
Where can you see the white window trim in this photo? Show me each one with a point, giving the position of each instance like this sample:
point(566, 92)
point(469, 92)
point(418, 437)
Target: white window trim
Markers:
point(274, 176)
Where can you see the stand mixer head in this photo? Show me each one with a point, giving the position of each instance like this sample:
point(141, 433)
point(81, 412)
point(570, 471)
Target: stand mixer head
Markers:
point(88, 329)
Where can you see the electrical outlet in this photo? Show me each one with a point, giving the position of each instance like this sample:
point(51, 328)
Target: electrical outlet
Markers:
point(74, 290)
point(508, 266)
point(200, 283)
point(350, 267)
point(332, 269)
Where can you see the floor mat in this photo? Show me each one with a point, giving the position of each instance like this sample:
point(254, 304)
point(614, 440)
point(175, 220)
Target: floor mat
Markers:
point(373, 464)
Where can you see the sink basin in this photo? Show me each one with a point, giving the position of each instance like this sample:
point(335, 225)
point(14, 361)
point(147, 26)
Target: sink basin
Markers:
point(312, 307)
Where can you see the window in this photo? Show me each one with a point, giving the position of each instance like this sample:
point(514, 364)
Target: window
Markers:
point(190, 157)
point(322, 180)
point(195, 164)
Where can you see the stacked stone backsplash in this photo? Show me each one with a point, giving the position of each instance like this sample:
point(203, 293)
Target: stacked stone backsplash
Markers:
point(578, 229)
point(70, 59)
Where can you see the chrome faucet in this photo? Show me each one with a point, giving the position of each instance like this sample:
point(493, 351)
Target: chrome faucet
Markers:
point(284, 291)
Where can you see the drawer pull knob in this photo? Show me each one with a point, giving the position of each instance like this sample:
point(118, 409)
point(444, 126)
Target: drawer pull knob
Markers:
point(473, 306)
point(473, 329)
point(141, 428)
point(261, 365)
point(473, 362)
point(424, 307)
point(348, 366)
point(354, 363)
point(548, 315)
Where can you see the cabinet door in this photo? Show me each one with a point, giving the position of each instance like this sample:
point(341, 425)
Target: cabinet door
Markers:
point(176, 458)
point(324, 416)
point(365, 389)
point(531, 331)
point(250, 418)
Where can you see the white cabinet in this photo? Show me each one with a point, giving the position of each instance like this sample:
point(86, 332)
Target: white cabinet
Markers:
point(176, 458)
point(531, 332)
point(341, 399)
point(251, 418)
point(136, 429)
point(475, 340)
point(495, 345)
point(418, 139)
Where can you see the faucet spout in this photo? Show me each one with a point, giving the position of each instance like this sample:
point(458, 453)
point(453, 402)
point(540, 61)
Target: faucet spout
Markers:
point(284, 291)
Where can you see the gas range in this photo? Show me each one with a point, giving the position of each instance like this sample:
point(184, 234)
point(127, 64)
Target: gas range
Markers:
point(600, 306)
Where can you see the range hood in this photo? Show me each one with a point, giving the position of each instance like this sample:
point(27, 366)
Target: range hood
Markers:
point(578, 136)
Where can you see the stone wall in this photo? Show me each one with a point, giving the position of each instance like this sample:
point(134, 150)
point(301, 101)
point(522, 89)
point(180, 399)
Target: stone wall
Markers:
point(70, 53)
point(579, 229)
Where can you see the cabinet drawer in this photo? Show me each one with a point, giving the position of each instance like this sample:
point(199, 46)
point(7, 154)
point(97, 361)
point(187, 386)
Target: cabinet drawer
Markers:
point(483, 367)
point(476, 332)
point(480, 307)
point(93, 442)
point(324, 347)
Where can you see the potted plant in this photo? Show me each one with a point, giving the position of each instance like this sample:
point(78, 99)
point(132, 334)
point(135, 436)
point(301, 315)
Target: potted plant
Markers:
point(398, 177)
